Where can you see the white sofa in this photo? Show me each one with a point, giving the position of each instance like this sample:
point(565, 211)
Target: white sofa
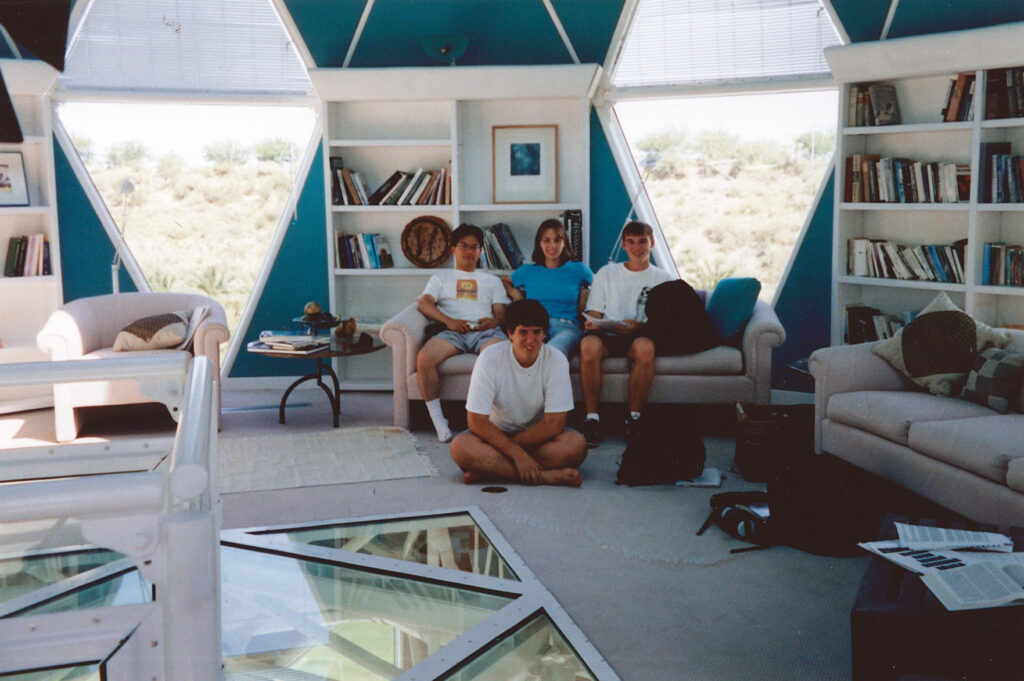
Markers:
point(721, 375)
point(964, 456)
point(86, 328)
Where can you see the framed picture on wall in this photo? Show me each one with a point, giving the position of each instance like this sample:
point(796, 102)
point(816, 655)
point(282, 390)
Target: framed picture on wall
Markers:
point(525, 163)
point(13, 187)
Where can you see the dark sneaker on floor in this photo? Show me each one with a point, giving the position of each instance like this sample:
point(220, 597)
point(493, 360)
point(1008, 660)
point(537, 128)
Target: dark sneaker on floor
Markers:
point(591, 430)
point(632, 429)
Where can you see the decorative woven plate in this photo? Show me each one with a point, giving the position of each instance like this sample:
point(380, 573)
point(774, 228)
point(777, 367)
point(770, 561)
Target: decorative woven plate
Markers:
point(426, 241)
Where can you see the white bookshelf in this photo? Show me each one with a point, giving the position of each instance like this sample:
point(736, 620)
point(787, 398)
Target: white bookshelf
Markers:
point(382, 120)
point(920, 69)
point(27, 302)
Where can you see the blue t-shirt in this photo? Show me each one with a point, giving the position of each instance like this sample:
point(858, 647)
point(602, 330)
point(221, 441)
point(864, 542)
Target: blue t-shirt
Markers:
point(556, 288)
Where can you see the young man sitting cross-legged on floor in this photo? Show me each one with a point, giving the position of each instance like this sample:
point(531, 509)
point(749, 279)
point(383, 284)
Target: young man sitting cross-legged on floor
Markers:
point(518, 400)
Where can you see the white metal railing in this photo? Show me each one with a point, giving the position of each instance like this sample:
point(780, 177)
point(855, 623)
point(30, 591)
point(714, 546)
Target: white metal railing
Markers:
point(167, 520)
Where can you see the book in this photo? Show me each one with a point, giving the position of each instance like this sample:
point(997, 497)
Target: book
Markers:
point(349, 188)
point(385, 258)
point(410, 187)
point(369, 240)
point(884, 104)
point(572, 220)
point(391, 196)
point(964, 114)
point(11, 262)
point(309, 349)
point(949, 95)
point(385, 186)
point(336, 163)
point(858, 257)
point(47, 264)
point(995, 96)
point(988, 151)
point(508, 239)
point(357, 179)
point(953, 105)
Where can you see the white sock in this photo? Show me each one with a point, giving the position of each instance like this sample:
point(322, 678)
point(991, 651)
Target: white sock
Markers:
point(444, 433)
point(635, 415)
point(593, 416)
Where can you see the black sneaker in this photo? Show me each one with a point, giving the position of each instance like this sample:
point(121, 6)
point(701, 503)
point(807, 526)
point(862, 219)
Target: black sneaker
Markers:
point(591, 429)
point(632, 429)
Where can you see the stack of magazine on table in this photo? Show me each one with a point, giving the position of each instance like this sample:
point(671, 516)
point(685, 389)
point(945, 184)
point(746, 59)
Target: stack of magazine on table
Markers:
point(289, 343)
point(966, 570)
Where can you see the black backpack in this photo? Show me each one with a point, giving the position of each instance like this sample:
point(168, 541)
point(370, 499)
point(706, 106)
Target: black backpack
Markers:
point(665, 449)
point(677, 320)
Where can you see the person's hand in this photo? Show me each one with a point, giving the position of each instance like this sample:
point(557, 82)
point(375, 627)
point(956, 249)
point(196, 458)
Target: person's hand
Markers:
point(485, 323)
point(458, 325)
point(627, 327)
point(589, 325)
point(527, 469)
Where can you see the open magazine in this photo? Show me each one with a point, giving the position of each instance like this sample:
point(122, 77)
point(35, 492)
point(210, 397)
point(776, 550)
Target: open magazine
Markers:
point(997, 580)
point(603, 322)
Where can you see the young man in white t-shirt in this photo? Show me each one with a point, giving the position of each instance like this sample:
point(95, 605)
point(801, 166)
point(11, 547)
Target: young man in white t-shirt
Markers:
point(518, 400)
point(619, 293)
point(471, 306)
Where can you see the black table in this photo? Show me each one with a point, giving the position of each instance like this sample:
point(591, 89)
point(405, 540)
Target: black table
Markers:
point(323, 370)
point(897, 626)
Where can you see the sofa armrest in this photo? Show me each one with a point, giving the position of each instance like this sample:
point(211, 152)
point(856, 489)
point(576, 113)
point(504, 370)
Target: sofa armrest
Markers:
point(210, 334)
point(404, 333)
point(69, 333)
point(849, 368)
point(764, 331)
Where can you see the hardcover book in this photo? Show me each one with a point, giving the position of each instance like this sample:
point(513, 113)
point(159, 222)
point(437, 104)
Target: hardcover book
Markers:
point(884, 103)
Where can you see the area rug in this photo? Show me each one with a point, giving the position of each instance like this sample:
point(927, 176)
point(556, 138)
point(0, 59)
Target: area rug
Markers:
point(329, 456)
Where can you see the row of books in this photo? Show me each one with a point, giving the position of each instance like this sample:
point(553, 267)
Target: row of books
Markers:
point(864, 323)
point(363, 251)
point(501, 250)
point(1002, 174)
point(889, 260)
point(1002, 265)
point(27, 256)
point(873, 104)
point(422, 187)
point(572, 220)
point(1004, 93)
point(959, 97)
point(872, 178)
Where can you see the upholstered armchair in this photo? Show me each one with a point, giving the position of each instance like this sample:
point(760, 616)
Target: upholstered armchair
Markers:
point(86, 329)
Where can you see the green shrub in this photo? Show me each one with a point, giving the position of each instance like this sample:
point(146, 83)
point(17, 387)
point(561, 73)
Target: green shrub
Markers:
point(130, 154)
point(228, 152)
point(275, 150)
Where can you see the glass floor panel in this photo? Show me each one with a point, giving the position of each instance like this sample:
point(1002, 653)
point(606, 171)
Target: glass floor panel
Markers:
point(94, 577)
point(537, 651)
point(335, 623)
point(85, 672)
point(452, 541)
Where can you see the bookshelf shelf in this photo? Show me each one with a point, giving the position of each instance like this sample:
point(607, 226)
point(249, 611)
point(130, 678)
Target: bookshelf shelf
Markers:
point(389, 122)
point(909, 128)
point(26, 302)
point(924, 93)
point(342, 143)
point(906, 207)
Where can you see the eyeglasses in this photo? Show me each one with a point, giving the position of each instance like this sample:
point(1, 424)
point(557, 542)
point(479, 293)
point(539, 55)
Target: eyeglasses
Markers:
point(468, 247)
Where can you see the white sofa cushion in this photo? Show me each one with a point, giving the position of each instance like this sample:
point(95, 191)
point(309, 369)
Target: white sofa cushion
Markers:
point(984, 445)
point(718, 361)
point(889, 413)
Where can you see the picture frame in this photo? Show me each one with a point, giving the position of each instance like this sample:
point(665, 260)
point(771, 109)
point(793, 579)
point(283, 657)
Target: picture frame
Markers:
point(525, 163)
point(13, 185)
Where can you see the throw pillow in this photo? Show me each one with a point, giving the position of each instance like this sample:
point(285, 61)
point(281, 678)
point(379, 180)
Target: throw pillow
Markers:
point(730, 306)
point(995, 379)
point(938, 348)
point(153, 333)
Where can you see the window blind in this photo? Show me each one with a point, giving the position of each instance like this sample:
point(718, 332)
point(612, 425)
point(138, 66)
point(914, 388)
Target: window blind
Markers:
point(186, 46)
point(675, 42)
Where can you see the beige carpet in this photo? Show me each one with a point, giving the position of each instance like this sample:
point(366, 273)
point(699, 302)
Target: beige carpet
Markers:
point(327, 456)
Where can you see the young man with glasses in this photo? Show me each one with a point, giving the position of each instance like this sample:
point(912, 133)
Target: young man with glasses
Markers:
point(470, 305)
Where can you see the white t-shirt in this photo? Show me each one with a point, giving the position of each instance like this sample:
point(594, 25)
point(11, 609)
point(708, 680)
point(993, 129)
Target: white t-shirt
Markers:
point(466, 295)
point(621, 294)
point(513, 396)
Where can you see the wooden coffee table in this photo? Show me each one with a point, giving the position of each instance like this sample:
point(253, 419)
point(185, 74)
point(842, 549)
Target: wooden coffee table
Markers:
point(324, 370)
point(897, 625)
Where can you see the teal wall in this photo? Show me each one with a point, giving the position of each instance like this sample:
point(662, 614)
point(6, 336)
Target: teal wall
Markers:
point(299, 274)
point(609, 200)
point(864, 19)
point(85, 249)
point(805, 298)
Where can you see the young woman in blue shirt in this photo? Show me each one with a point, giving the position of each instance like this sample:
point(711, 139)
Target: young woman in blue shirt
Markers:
point(557, 281)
